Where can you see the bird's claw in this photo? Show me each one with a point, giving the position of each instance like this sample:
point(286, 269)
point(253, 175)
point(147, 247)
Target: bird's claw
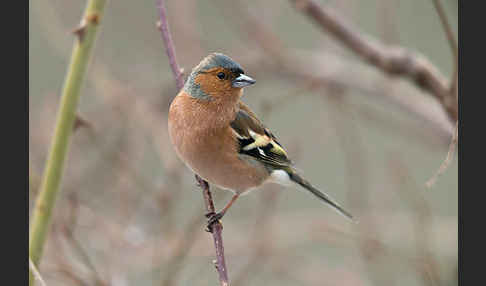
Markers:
point(212, 219)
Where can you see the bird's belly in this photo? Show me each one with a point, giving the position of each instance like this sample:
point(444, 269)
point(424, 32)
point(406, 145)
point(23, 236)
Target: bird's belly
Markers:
point(218, 162)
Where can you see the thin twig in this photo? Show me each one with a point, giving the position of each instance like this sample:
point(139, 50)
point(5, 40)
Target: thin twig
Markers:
point(163, 26)
point(395, 61)
point(452, 43)
point(450, 34)
point(216, 228)
point(452, 88)
point(447, 160)
point(36, 273)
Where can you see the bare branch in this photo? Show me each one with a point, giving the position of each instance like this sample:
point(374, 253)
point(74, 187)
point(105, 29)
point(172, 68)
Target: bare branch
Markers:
point(284, 64)
point(163, 26)
point(217, 228)
point(447, 27)
point(452, 42)
point(395, 61)
point(447, 160)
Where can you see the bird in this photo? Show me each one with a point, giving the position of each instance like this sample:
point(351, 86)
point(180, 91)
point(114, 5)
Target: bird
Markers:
point(222, 140)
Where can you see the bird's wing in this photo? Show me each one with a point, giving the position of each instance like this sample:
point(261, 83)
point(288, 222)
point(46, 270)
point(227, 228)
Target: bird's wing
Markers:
point(257, 141)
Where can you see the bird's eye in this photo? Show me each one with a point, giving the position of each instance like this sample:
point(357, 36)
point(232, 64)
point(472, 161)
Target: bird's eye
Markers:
point(221, 75)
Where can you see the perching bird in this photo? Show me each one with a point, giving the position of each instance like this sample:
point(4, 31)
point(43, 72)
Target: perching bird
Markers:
point(219, 138)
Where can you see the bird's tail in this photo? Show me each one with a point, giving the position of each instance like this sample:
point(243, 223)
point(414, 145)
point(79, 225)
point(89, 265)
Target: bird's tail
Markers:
point(322, 196)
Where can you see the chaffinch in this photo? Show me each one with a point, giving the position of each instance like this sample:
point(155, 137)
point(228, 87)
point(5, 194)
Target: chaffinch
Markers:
point(219, 138)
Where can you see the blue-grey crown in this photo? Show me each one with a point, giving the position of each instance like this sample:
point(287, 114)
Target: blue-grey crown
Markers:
point(218, 60)
point(211, 61)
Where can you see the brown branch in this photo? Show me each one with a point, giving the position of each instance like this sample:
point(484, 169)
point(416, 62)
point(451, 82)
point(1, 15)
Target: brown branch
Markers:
point(452, 43)
point(447, 27)
point(452, 88)
point(163, 26)
point(282, 63)
point(395, 61)
point(447, 160)
point(217, 228)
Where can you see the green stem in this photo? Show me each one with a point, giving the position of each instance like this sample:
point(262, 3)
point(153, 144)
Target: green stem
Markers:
point(64, 126)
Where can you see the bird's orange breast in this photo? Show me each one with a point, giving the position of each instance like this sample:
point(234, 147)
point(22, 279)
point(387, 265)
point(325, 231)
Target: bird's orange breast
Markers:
point(202, 137)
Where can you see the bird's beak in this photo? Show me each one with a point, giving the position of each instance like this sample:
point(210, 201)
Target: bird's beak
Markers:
point(242, 81)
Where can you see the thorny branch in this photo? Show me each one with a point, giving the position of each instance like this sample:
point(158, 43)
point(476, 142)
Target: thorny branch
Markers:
point(58, 150)
point(216, 228)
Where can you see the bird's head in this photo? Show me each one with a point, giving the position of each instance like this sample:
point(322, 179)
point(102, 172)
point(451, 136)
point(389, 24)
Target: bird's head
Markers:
point(217, 75)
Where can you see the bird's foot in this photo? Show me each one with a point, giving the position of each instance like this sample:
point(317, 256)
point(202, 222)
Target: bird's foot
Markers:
point(212, 219)
point(201, 183)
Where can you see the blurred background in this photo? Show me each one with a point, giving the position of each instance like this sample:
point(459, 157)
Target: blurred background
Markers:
point(129, 212)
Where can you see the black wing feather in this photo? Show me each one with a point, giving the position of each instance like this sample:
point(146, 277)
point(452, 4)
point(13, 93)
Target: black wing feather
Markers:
point(249, 130)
